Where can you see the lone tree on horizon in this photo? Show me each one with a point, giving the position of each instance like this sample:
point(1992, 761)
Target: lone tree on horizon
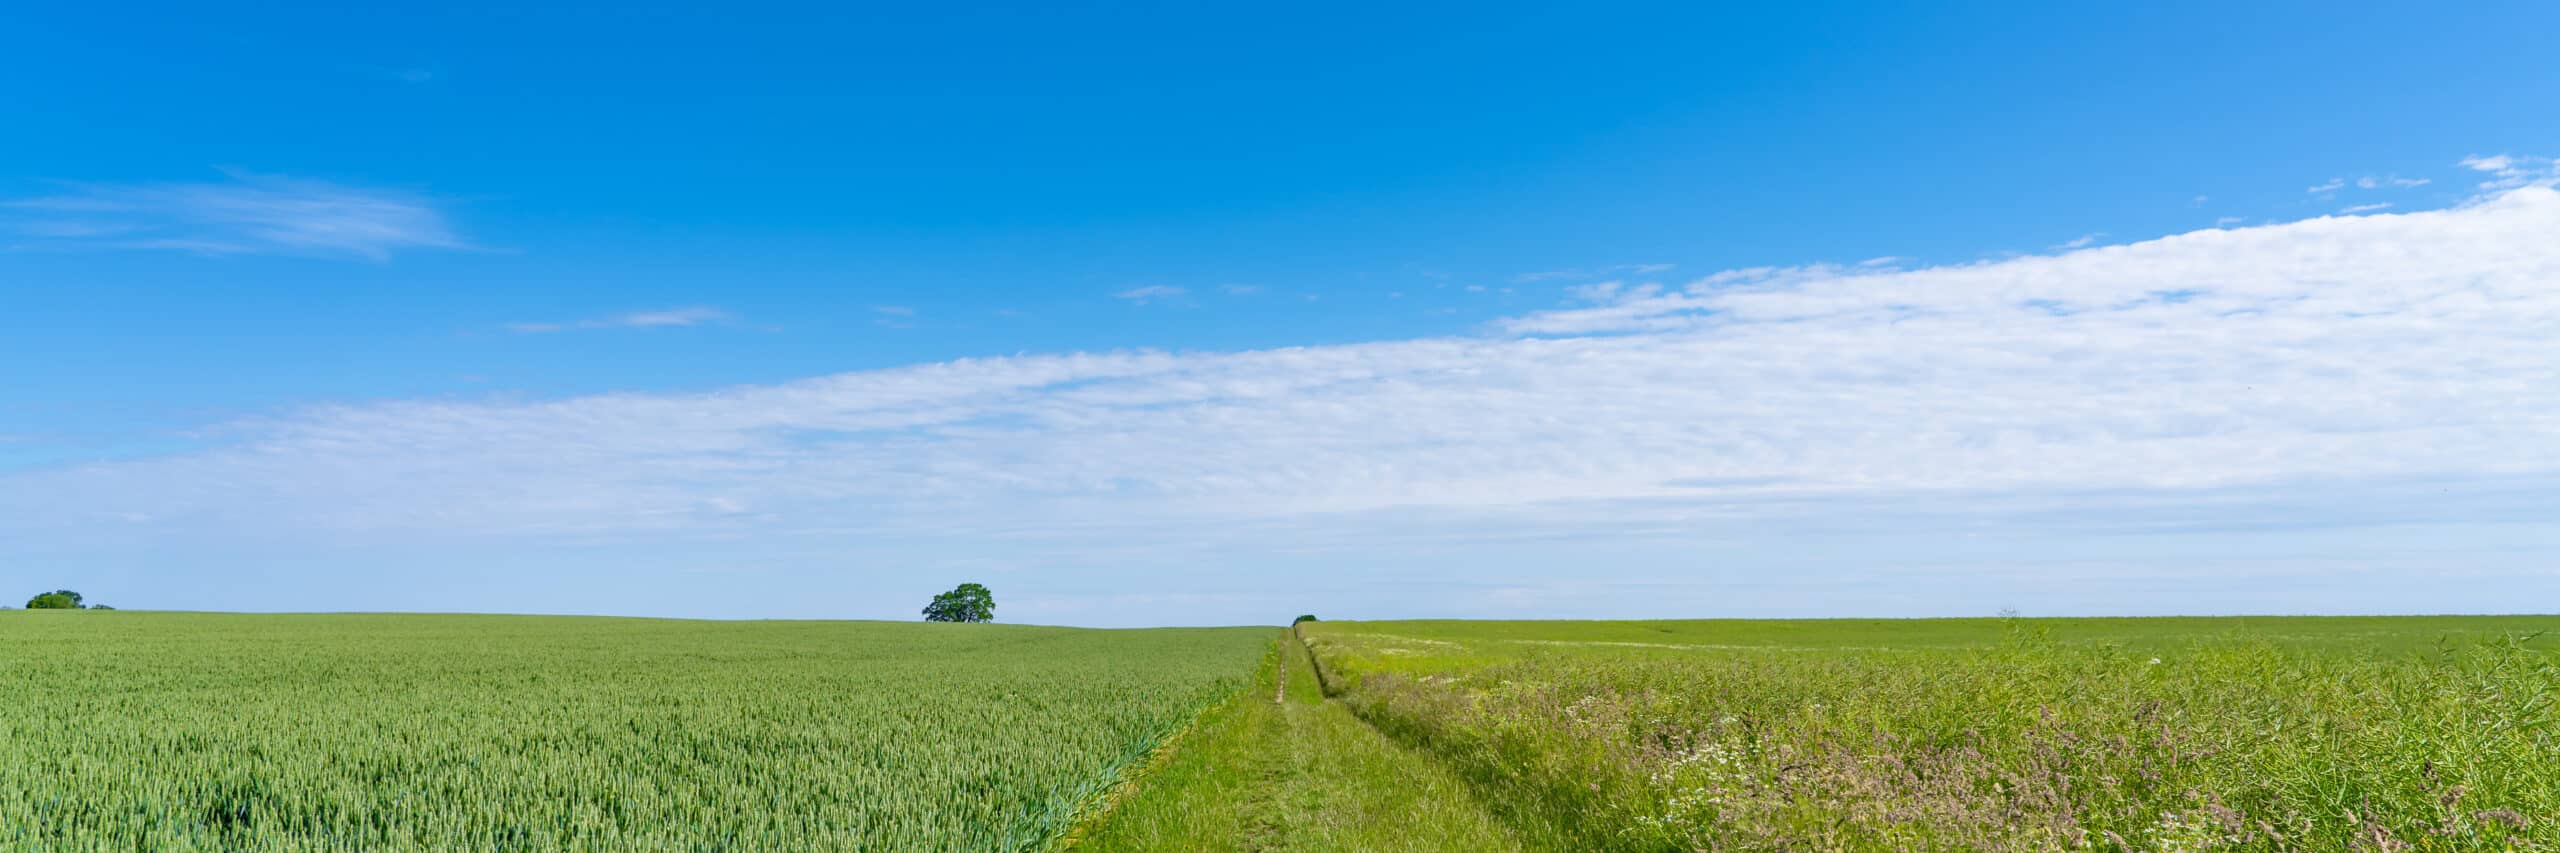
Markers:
point(967, 602)
point(60, 599)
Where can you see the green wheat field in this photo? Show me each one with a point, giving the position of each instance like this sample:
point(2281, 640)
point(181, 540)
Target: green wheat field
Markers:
point(130, 730)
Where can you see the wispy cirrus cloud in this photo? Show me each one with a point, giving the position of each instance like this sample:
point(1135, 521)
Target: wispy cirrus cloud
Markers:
point(2400, 344)
point(414, 75)
point(1151, 293)
point(893, 316)
point(694, 315)
point(2509, 171)
point(245, 214)
point(1590, 273)
point(2109, 280)
point(2218, 377)
point(2364, 182)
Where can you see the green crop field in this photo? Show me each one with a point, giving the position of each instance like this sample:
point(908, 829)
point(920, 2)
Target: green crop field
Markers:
point(2110, 734)
point(370, 732)
point(342, 732)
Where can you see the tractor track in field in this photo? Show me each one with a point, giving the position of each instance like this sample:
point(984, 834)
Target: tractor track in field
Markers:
point(1301, 773)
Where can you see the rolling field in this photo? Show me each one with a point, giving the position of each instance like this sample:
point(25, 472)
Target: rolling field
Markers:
point(201, 731)
point(2110, 734)
point(373, 732)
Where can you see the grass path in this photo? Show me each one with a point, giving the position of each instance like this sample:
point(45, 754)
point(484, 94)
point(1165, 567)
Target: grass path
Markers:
point(1282, 768)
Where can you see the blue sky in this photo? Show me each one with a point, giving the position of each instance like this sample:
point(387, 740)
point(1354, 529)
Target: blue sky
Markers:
point(1175, 314)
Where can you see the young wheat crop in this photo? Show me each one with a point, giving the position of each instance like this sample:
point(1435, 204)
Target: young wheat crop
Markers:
point(382, 732)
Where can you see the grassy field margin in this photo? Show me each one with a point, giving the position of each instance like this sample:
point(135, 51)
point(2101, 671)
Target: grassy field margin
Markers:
point(2426, 733)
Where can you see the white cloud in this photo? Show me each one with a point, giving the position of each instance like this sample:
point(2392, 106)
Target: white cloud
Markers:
point(2081, 242)
point(1586, 274)
point(412, 75)
point(2258, 376)
point(2353, 349)
point(2492, 163)
point(2372, 182)
point(691, 316)
point(1150, 293)
point(694, 315)
point(2365, 208)
point(2507, 171)
point(2365, 182)
point(247, 214)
